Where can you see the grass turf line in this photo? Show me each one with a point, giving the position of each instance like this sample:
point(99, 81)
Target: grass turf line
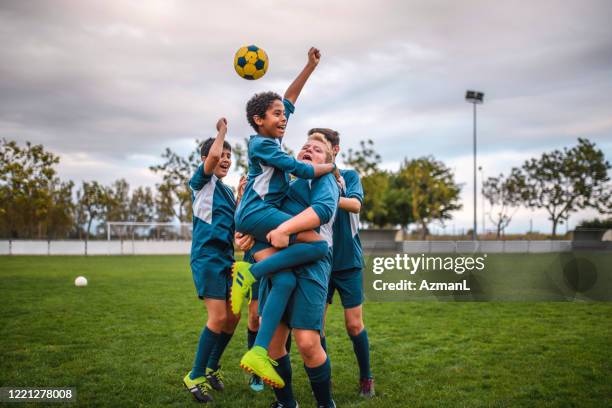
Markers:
point(129, 337)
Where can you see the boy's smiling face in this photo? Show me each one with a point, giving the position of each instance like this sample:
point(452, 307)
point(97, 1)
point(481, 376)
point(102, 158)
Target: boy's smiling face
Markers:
point(224, 165)
point(313, 152)
point(274, 121)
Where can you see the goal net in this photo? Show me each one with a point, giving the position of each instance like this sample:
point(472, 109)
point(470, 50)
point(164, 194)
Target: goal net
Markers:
point(159, 231)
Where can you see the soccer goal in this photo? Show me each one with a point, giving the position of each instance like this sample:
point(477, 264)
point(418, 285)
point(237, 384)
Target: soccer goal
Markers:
point(159, 231)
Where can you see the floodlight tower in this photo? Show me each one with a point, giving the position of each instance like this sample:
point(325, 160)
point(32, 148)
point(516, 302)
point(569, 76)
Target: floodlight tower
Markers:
point(475, 98)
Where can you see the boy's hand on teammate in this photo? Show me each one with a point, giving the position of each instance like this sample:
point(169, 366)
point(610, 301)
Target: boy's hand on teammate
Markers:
point(241, 186)
point(340, 180)
point(278, 238)
point(222, 125)
point(314, 56)
point(244, 241)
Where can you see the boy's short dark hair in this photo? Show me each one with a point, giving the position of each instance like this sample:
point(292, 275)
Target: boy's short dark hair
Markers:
point(258, 105)
point(331, 135)
point(205, 146)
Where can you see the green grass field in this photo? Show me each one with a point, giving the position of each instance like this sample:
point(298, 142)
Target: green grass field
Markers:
point(128, 338)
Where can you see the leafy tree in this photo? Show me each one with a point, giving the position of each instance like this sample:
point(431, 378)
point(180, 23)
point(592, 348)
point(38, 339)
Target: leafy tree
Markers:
point(432, 190)
point(398, 201)
point(61, 218)
point(92, 201)
point(365, 160)
point(176, 172)
point(375, 182)
point(563, 182)
point(504, 196)
point(596, 223)
point(118, 201)
point(29, 203)
point(240, 156)
point(142, 205)
point(164, 203)
point(374, 209)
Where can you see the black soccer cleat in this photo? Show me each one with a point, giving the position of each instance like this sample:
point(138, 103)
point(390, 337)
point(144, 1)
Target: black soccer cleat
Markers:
point(215, 379)
point(199, 388)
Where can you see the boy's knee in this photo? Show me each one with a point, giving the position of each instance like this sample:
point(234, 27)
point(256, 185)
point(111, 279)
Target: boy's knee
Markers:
point(285, 281)
point(354, 327)
point(217, 321)
point(232, 320)
point(321, 248)
point(308, 346)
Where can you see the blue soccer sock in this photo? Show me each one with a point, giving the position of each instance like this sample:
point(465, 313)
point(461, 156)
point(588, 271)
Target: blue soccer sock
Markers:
point(285, 395)
point(208, 339)
point(293, 255)
point(283, 284)
point(250, 338)
point(361, 346)
point(320, 382)
point(217, 352)
point(324, 343)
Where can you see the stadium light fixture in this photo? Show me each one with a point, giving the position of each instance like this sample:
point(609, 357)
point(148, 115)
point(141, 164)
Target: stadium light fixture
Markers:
point(475, 98)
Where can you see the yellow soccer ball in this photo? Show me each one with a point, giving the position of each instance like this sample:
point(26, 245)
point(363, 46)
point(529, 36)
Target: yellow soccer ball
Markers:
point(251, 62)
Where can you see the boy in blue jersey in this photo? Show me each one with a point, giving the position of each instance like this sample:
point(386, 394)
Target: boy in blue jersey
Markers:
point(304, 312)
point(269, 168)
point(212, 256)
point(347, 269)
point(259, 215)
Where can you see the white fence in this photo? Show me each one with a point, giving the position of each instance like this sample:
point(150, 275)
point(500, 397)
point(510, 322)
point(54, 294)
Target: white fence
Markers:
point(94, 247)
point(129, 247)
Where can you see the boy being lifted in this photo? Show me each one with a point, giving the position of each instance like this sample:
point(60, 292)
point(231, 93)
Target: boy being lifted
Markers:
point(258, 213)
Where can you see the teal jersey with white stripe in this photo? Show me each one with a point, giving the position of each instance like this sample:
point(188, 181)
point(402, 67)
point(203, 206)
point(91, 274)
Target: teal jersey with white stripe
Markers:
point(322, 195)
point(213, 218)
point(347, 246)
point(269, 169)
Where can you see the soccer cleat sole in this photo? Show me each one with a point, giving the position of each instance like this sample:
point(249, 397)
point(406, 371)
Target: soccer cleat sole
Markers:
point(265, 379)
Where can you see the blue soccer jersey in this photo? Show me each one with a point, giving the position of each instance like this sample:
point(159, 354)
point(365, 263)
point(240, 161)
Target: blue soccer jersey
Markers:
point(322, 195)
point(347, 251)
point(213, 220)
point(269, 169)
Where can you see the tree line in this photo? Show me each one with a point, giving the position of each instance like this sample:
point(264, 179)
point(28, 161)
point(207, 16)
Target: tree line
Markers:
point(423, 190)
point(36, 204)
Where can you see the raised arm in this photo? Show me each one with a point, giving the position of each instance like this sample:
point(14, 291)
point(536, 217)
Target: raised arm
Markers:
point(293, 91)
point(216, 150)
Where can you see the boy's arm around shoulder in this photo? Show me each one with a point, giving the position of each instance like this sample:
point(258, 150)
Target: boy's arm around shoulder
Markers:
point(270, 151)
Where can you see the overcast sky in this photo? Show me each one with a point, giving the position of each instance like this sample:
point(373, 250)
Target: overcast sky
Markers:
point(108, 85)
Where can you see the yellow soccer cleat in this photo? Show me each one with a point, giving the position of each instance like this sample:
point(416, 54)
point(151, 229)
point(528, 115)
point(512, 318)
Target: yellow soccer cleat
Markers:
point(256, 361)
point(242, 281)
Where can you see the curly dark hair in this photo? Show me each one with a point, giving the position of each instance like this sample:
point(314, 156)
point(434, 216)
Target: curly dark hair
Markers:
point(258, 105)
point(207, 144)
point(331, 135)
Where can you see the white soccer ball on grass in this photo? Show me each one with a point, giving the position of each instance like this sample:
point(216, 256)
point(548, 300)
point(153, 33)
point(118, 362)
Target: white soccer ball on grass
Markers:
point(80, 281)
